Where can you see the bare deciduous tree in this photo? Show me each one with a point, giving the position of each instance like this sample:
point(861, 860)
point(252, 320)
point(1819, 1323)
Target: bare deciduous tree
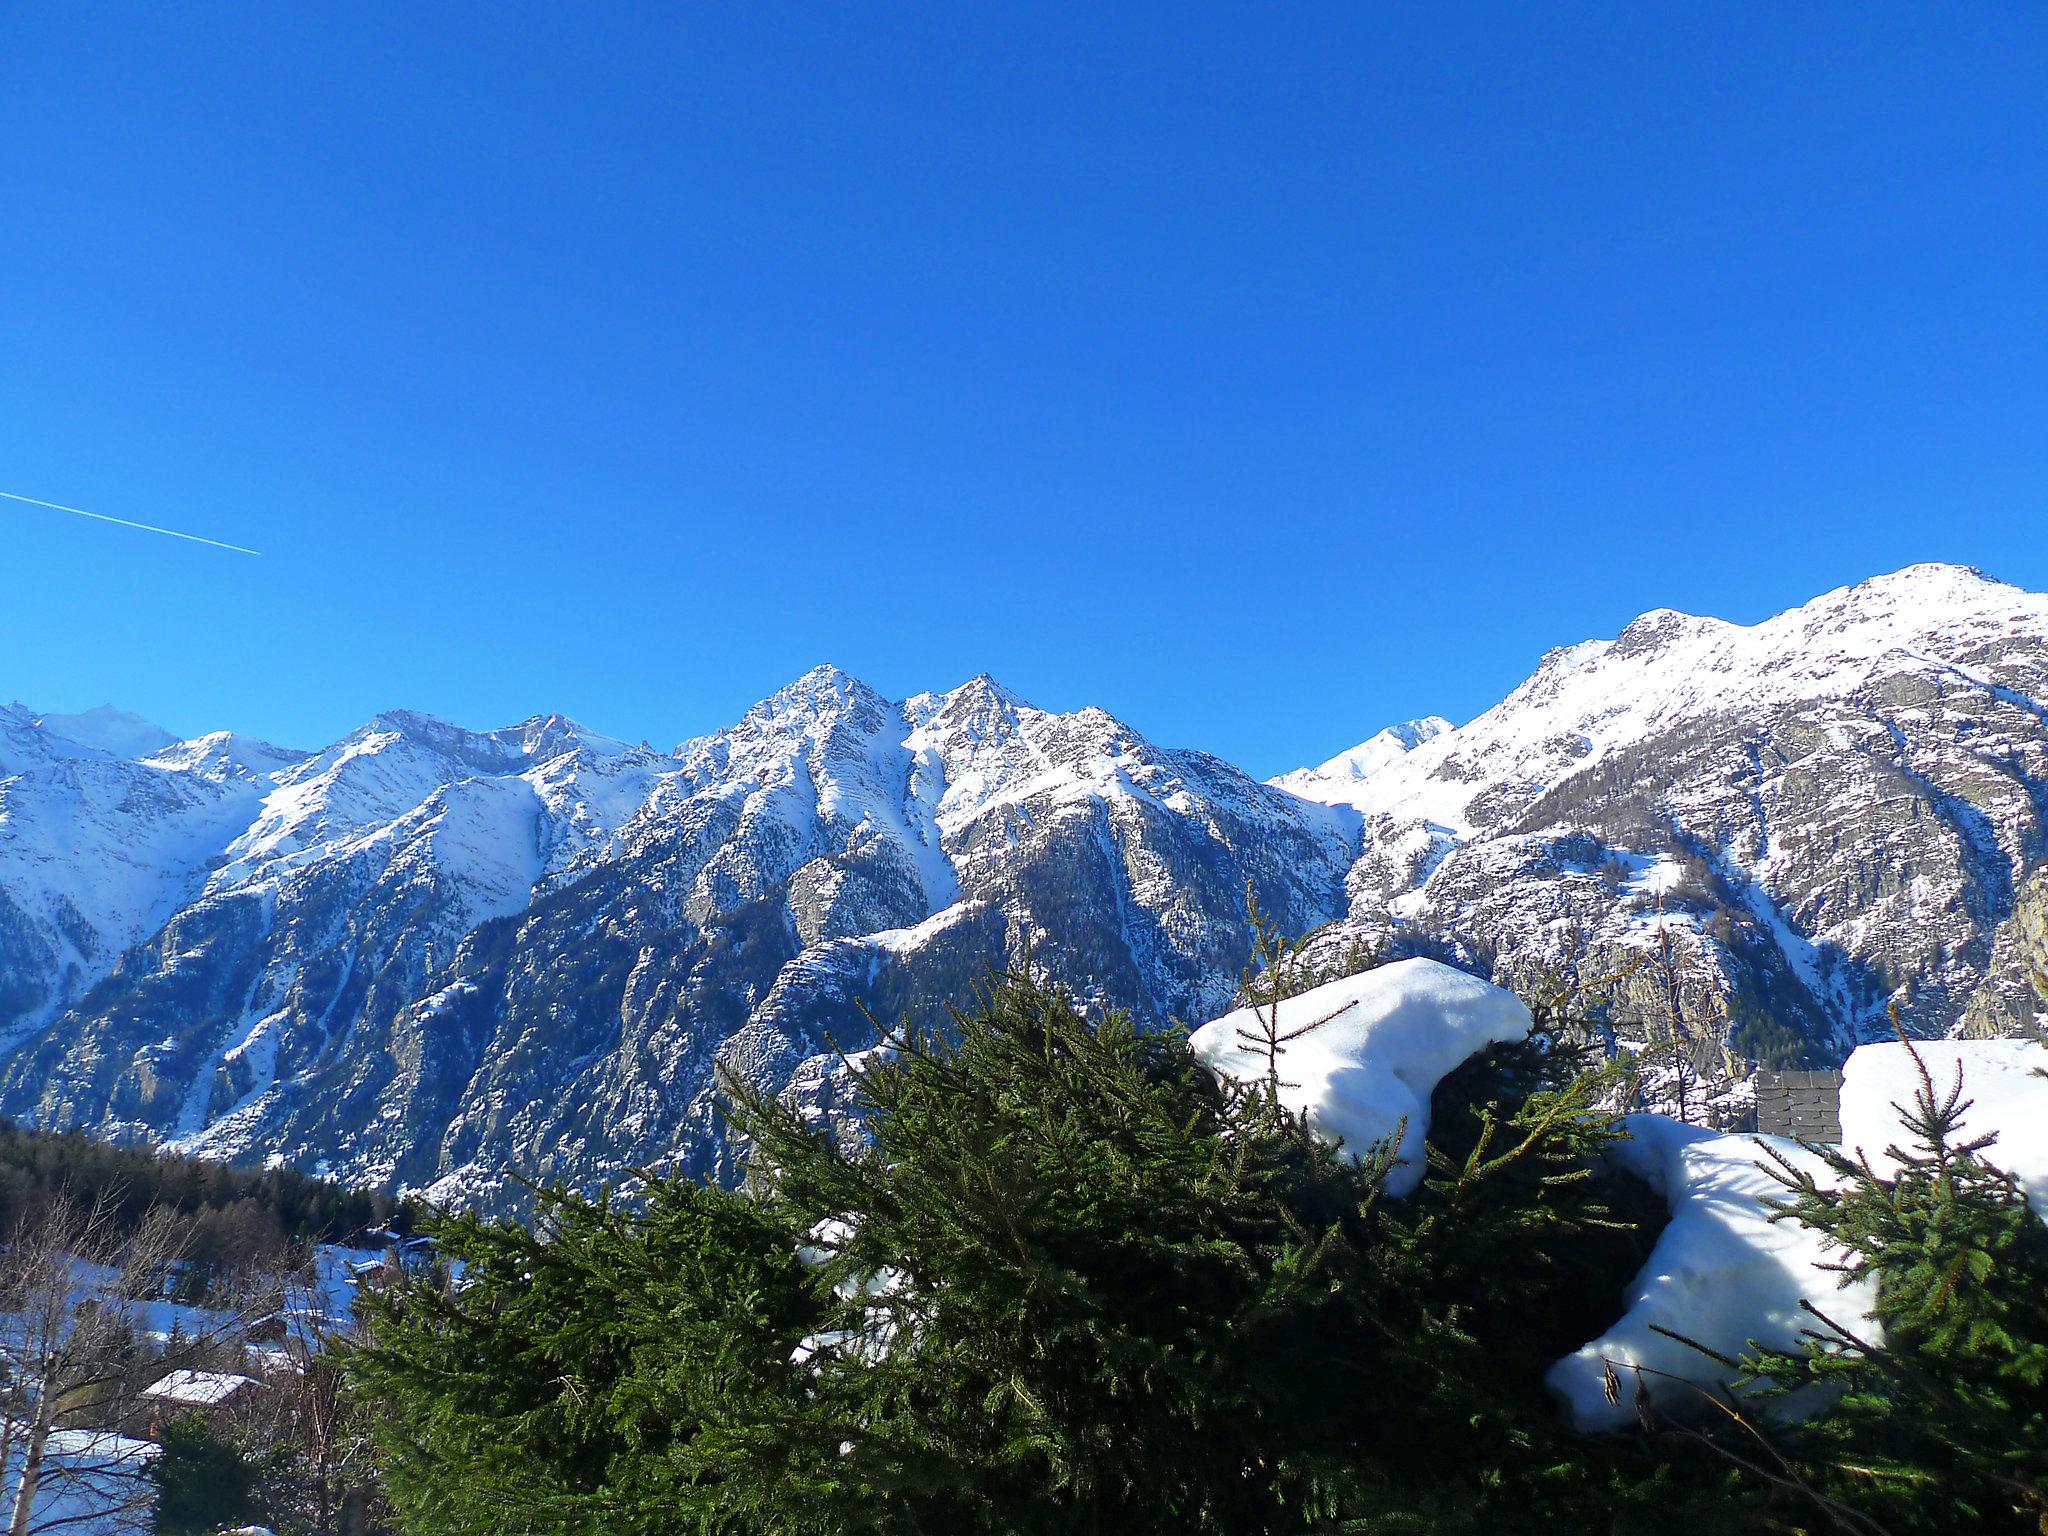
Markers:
point(77, 1350)
point(312, 1417)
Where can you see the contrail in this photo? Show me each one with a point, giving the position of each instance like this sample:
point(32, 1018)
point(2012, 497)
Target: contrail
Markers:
point(101, 517)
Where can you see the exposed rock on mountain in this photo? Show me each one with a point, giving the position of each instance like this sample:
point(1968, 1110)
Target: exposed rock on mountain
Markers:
point(2012, 1001)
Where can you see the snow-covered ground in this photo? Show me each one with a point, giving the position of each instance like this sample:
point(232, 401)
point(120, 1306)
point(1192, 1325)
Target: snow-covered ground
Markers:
point(92, 1483)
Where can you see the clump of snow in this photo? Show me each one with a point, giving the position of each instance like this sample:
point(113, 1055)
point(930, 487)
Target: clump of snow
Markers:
point(1366, 1075)
point(1722, 1274)
point(1649, 877)
point(871, 1340)
point(2002, 1083)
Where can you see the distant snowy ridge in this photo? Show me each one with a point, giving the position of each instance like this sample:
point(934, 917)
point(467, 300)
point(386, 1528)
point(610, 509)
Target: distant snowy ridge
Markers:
point(425, 955)
point(1585, 701)
point(1335, 782)
point(322, 967)
point(106, 729)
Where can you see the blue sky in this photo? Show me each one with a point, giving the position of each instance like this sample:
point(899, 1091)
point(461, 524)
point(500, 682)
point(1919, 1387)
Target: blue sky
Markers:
point(1261, 374)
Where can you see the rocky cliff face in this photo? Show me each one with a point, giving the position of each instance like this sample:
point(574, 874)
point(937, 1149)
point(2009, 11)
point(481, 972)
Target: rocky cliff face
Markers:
point(426, 956)
point(2012, 1001)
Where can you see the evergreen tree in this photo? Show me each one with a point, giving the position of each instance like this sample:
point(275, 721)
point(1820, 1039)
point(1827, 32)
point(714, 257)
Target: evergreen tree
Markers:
point(1081, 1286)
point(1940, 1415)
point(601, 1370)
point(204, 1483)
point(1075, 1284)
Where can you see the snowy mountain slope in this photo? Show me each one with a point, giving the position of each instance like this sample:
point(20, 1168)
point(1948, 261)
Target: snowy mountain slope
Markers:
point(1836, 804)
point(98, 848)
point(109, 730)
point(428, 956)
point(1670, 670)
point(1342, 780)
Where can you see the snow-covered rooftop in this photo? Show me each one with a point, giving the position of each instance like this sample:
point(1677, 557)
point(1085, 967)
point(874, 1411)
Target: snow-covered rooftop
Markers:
point(197, 1389)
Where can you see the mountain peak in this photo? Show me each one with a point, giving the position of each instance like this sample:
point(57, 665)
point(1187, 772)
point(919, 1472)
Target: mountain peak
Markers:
point(981, 706)
point(1662, 627)
point(477, 751)
point(1931, 605)
point(823, 682)
point(827, 675)
point(1932, 573)
point(1331, 781)
point(219, 754)
point(982, 688)
point(1932, 588)
point(820, 696)
point(980, 696)
point(410, 723)
point(107, 729)
point(542, 737)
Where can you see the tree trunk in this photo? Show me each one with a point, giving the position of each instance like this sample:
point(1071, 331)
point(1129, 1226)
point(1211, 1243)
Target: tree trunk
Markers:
point(7, 1422)
point(31, 1472)
point(323, 1490)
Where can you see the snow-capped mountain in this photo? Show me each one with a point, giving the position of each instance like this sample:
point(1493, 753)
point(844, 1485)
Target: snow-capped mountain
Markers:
point(1342, 779)
point(106, 828)
point(1836, 804)
point(428, 956)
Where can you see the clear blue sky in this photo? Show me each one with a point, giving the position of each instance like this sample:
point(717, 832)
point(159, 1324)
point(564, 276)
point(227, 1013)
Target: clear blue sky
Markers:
point(1262, 375)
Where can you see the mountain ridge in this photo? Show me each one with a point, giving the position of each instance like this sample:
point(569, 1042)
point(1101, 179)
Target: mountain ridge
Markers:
point(424, 956)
